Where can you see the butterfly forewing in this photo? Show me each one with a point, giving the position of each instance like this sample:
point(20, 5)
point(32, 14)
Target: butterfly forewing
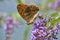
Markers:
point(21, 8)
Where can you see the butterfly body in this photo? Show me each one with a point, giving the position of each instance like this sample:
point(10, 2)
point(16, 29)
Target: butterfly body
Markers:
point(28, 12)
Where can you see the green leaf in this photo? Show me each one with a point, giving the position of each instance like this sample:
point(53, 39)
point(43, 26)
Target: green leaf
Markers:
point(54, 14)
point(51, 0)
point(48, 23)
point(58, 19)
point(19, 1)
point(55, 21)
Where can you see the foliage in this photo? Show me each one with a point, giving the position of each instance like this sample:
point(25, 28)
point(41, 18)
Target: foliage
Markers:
point(19, 1)
point(51, 0)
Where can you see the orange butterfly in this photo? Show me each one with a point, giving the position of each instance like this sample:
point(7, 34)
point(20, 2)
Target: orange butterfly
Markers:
point(28, 12)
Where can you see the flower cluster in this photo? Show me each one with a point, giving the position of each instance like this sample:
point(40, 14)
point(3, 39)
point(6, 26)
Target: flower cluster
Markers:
point(41, 32)
point(9, 25)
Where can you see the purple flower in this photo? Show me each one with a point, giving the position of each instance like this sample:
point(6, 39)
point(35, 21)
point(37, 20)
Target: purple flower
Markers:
point(54, 5)
point(41, 32)
point(9, 25)
point(58, 25)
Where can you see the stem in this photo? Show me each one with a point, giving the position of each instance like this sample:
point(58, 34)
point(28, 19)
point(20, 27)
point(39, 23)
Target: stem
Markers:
point(7, 38)
point(26, 32)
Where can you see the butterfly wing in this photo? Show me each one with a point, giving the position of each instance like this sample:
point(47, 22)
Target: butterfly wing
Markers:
point(33, 13)
point(28, 12)
point(21, 8)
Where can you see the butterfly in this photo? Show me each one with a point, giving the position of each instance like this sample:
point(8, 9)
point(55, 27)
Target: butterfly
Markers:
point(28, 12)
